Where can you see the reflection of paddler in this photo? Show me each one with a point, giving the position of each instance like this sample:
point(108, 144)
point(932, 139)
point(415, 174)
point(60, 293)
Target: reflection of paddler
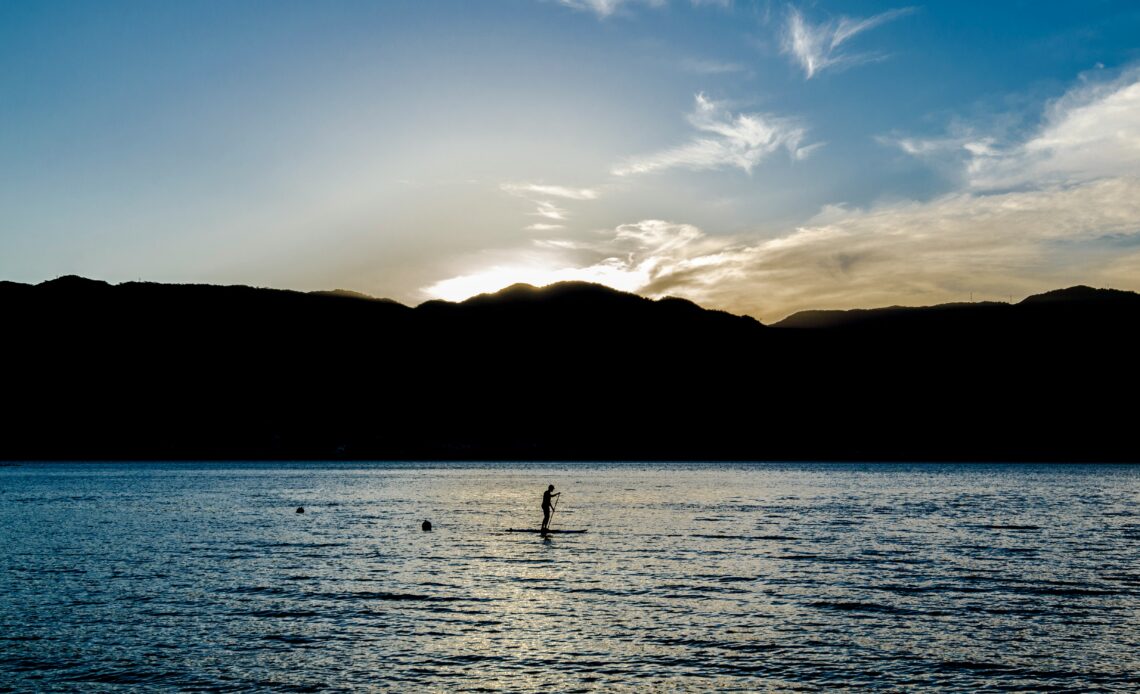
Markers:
point(546, 497)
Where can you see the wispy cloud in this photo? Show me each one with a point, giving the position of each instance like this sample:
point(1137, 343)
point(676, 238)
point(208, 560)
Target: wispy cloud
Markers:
point(1089, 133)
point(954, 155)
point(712, 3)
point(818, 47)
point(551, 191)
point(606, 8)
point(698, 66)
point(806, 151)
point(549, 210)
point(728, 140)
point(538, 194)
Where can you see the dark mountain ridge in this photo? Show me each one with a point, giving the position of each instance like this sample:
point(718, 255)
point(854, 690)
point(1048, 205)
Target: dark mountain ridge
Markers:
point(1081, 303)
point(570, 371)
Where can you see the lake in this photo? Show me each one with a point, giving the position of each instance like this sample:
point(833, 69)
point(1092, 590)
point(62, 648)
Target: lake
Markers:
point(766, 576)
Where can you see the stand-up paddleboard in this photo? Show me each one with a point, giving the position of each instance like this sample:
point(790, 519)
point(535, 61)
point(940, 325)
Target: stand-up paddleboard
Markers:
point(542, 532)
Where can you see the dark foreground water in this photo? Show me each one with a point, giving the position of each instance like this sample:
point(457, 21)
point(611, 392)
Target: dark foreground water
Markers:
point(691, 577)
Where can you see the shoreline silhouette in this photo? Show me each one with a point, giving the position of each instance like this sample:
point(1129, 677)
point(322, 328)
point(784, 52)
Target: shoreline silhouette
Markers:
point(572, 371)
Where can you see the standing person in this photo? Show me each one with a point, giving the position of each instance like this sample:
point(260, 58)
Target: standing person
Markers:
point(546, 497)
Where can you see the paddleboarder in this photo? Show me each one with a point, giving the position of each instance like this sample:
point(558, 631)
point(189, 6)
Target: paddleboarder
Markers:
point(546, 497)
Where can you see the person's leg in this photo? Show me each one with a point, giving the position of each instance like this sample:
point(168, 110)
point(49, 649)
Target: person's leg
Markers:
point(545, 517)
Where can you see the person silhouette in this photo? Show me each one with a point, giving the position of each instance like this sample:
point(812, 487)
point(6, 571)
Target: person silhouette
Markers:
point(546, 497)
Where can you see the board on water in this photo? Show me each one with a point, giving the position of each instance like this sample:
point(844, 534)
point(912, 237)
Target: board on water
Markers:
point(543, 532)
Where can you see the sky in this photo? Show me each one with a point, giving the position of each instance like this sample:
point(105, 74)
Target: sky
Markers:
point(758, 157)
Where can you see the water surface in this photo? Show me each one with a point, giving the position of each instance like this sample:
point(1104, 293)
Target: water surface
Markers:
point(691, 577)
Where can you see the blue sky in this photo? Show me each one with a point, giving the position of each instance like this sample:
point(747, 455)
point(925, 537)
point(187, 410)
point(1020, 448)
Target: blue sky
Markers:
point(753, 156)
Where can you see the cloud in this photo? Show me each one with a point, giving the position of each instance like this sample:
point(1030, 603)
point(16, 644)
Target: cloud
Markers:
point(1091, 132)
point(1059, 206)
point(806, 151)
point(697, 66)
point(549, 210)
point(524, 189)
point(713, 3)
point(535, 192)
point(993, 245)
point(606, 8)
point(1088, 133)
point(729, 140)
point(817, 47)
point(954, 155)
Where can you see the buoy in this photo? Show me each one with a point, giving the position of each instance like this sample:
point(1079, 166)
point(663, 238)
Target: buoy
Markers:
point(426, 525)
point(300, 509)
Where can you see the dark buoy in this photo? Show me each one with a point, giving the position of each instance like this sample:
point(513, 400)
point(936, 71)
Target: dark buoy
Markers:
point(300, 509)
point(426, 525)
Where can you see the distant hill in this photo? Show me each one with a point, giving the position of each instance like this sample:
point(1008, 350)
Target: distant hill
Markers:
point(863, 317)
point(569, 371)
point(1081, 303)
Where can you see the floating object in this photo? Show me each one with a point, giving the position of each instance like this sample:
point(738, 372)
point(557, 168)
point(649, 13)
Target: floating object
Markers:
point(426, 526)
point(540, 531)
point(300, 509)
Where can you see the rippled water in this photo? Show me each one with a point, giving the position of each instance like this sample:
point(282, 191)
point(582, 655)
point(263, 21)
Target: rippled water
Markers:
point(691, 577)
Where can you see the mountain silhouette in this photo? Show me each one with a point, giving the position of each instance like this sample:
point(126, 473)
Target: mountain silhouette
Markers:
point(1086, 305)
point(569, 371)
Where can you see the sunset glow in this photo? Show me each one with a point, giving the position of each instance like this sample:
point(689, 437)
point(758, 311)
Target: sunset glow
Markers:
point(495, 278)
